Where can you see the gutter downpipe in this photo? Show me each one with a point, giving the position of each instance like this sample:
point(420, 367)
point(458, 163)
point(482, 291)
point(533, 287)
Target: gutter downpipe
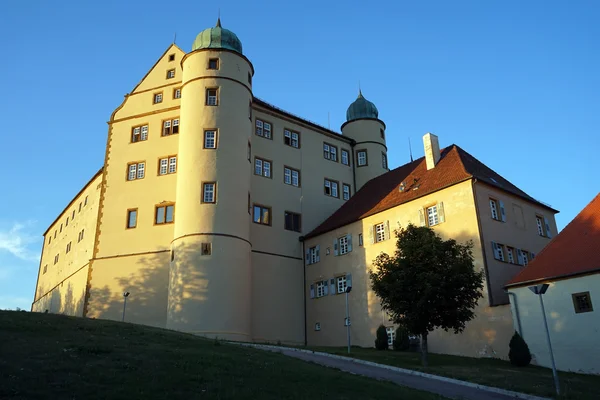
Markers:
point(352, 144)
point(514, 302)
point(301, 238)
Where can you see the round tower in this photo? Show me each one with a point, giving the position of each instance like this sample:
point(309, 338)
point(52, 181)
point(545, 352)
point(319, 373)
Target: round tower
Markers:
point(368, 131)
point(210, 275)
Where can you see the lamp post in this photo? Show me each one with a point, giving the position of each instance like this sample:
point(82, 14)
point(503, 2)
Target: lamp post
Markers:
point(348, 290)
point(125, 295)
point(540, 290)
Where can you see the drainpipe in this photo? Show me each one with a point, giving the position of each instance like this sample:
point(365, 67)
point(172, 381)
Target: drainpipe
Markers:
point(352, 144)
point(301, 238)
point(514, 296)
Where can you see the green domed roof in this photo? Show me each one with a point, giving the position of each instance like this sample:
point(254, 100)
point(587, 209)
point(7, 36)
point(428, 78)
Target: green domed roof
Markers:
point(361, 108)
point(217, 38)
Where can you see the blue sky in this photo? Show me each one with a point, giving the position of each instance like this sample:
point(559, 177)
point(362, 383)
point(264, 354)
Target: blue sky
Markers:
point(514, 83)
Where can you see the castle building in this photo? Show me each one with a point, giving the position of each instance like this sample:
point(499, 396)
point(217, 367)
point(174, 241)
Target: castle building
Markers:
point(225, 216)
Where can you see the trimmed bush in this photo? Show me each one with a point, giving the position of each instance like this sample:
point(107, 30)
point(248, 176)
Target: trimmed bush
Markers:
point(381, 342)
point(519, 354)
point(401, 341)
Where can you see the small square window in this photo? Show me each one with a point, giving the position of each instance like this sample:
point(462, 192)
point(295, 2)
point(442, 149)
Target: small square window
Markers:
point(213, 63)
point(158, 98)
point(292, 221)
point(582, 302)
point(206, 249)
point(171, 57)
point(212, 97)
point(209, 194)
point(171, 74)
point(177, 93)
point(131, 219)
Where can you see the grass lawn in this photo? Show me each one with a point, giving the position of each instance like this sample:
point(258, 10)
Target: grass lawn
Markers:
point(45, 356)
point(485, 371)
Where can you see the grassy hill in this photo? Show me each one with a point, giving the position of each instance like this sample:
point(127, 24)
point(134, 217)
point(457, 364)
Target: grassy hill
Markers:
point(45, 356)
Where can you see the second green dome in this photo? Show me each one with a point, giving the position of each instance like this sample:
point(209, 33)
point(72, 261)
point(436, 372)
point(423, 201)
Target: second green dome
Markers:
point(361, 108)
point(217, 38)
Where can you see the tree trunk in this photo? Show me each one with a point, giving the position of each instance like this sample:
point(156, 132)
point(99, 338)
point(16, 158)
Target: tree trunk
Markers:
point(424, 349)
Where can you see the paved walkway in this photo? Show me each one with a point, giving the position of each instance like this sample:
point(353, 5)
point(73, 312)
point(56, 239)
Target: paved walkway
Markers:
point(442, 386)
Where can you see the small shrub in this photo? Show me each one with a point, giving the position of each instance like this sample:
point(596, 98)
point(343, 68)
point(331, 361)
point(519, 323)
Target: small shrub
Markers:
point(519, 354)
point(217, 342)
point(401, 341)
point(381, 342)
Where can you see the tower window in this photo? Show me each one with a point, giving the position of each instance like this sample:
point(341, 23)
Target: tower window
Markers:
point(164, 214)
point(158, 97)
point(384, 162)
point(212, 97)
point(206, 249)
point(361, 156)
point(213, 63)
point(170, 127)
point(210, 139)
point(177, 93)
point(139, 133)
point(131, 218)
point(136, 170)
point(209, 192)
point(171, 74)
point(292, 221)
point(291, 138)
point(167, 165)
point(249, 78)
point(382, 132)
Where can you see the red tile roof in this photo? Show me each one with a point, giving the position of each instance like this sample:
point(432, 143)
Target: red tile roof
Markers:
point(574, 251)
point(381, 193)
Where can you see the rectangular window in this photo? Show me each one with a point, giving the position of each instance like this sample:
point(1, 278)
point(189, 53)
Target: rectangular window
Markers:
point(391, 332)
point(211, 97)
point(525, 257)
point(329, 152)
point(379, 232)
point(360, 239)
point(139, 133)
point(249, 78)
point(499, 252)
point(346, 191)
point(77, 211)
point(361, 157)
point(331, 188)
point(510, 252)
point(345, 157)
point(321, 288)
point(85, 201)
point(136, 171)
point(291, 138)
point(317, 326)
point(262, 167)
point(158, 97)
point(209, 192)
point(73, 214)
point(213, 63)
point(542, 226)
point(131, 218)
point(171, 74)
point(67, 222)
point(164, 214)
point(582, 302)
point(210, 139)
point(382, 133)
point(263, 128)
point(206, 249)
point(432, 216)
point(68, 247)
point(291, 176)
point(167, 165)
point(177, 93)
point(313, 255)
point(343, 243)
point(341, 284)
point(292, 221)
point(262, 215)
point(494, 208)
point(170, 127)
point(45, 268)
point(384, 162)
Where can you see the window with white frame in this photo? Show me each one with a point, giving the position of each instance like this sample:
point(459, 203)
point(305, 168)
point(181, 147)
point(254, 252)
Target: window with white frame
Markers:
point(263, 128)
point(343, 243)
point(317, 326)
point(432, 216)
point(360, 239)
point(177, 93)
point(167, 165)
point(525, 257)
point(379, 232)
point(208, 192)
point(170, 127)
point(171, 74)
point(498, 251)
point(158, 98)
point(321, 287)
point(510, 252)
point(136, 171)
point(212, 97)
point(346, 191)
point(291, 138)
point(139, 133)
point(262, 167)
point(384, 162)
point(291, 176)
point(210, 139)
point(540, 225)
point(391, 334)
point(313, 255)
point(345, 157)
point(361, 157)
point(494, 209)
point(331, 188)
point(329, 152)
point(341, 284)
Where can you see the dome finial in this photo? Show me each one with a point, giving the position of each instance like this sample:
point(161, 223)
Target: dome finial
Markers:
point(219, 18)
point(359, 90)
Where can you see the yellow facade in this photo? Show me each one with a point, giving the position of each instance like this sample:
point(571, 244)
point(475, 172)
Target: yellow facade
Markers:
point(233, 265)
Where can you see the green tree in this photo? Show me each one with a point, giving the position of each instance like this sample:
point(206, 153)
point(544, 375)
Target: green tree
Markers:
point(401, 341)
point(381, 341)
point(519, 354)
point(428, 283)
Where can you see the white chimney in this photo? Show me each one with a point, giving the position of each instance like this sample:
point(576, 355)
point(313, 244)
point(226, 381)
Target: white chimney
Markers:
point(432, 150)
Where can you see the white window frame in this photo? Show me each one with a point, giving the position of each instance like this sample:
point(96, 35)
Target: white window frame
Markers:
point(212, 100)
point(291, 176)
point(391, 334)
point(343, 245)
point(136, 171)
point(510, 253)
point(292, 137)
point(345, 191)
point(262, 167)
point(177, 93)
point(139, 133)
point(158, 98)
point(341, 284)
point(345, 157)
point(171, 74)
point(494, 209)
point(500, 252)
point(170, 126)
point(540, 225)
point(208, 192)
point(432, 216)
point(210, 142)
point(263, 129)
point(320, 286)
point(361, 157)
point(312, 254)
point(380, 232)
